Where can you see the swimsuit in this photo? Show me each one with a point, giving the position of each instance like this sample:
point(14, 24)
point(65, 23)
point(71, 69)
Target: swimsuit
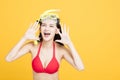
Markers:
point(51, 68)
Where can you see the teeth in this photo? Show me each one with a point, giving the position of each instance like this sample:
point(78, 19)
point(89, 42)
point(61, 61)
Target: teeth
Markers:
point(46, 33)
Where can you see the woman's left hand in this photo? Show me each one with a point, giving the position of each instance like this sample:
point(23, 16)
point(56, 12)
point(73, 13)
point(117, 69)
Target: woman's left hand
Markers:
point(65, 39)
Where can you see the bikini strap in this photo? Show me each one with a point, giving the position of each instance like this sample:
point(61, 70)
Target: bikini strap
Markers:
point(53, 49)
point(39, 49)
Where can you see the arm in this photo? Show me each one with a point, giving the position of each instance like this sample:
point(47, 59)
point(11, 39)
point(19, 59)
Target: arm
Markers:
point(21, 49)
point(71, 55)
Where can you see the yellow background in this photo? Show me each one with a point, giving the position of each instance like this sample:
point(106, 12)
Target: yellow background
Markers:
point(94, 30)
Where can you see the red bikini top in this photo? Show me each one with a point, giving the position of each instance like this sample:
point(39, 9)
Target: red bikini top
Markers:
point(51, 68)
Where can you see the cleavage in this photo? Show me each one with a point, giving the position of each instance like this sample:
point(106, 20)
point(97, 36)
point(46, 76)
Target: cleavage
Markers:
point(45, 57)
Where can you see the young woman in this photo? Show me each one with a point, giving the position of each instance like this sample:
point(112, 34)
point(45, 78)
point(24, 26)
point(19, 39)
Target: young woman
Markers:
point(49, 50)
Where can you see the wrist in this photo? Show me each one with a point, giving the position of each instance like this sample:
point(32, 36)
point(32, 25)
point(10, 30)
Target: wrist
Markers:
point(24, 38)
point(69, 44)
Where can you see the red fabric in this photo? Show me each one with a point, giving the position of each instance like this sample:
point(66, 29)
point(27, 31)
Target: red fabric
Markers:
point(51, 68)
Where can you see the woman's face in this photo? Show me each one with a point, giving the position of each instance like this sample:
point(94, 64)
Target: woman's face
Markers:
point(48, 29)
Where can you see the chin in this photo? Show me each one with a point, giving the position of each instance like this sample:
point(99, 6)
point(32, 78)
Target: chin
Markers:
point(47, 39)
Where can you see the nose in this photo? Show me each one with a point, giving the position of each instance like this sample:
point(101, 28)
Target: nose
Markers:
point(47, 28)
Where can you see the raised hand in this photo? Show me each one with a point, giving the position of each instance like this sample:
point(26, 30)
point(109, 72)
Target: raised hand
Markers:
point(31, 32)
point(65, 39)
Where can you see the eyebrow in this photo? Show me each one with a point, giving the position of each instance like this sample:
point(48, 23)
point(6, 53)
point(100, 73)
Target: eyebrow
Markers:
point(52, 24)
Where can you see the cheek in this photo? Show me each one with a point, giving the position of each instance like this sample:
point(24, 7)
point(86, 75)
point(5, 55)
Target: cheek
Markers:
point(42, 29)
point(53, 30)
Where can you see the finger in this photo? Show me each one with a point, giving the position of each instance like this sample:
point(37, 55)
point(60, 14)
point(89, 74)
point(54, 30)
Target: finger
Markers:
point(58, 41)
point(68, 32)
point(65, 32)
point(30, 26)
point(34, 25)
point(37, 28)
point(62, 29)
point(59, 32)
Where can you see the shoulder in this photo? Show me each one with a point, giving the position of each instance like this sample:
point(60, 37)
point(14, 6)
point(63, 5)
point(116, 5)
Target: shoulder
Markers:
point(30, 45)
point(33, 48)
point(62, 49)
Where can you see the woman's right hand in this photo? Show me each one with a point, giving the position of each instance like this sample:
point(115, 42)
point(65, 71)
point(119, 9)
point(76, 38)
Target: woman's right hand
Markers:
point(31, 32)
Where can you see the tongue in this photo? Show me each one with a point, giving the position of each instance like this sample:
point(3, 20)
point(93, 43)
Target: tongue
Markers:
point(47, 33)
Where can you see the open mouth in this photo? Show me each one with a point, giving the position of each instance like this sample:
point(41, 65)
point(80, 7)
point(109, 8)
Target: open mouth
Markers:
point(46, 34)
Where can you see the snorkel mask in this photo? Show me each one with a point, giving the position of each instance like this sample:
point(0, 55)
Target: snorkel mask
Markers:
point(49, 15)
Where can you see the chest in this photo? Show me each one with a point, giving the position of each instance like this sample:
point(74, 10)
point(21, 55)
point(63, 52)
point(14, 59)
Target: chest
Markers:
point(46, 55)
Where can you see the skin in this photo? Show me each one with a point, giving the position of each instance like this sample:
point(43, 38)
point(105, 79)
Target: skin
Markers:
point(46, 53)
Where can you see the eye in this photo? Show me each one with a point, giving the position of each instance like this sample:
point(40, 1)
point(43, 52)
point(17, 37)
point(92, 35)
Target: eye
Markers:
point(43, 25)
point(51, 26)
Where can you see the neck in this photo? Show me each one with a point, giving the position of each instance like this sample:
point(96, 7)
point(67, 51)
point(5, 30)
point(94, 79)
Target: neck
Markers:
point(47, 44)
